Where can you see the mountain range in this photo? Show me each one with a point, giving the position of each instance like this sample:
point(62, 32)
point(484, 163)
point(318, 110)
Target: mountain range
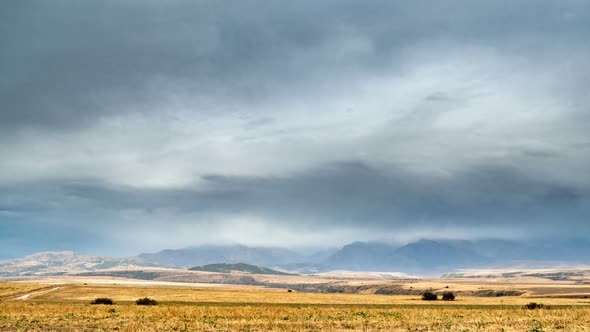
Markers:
point(66, 262)
point(424, 257)
point(213, 254)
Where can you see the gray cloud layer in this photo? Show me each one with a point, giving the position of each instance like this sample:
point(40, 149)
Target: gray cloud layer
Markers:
point(254, 121)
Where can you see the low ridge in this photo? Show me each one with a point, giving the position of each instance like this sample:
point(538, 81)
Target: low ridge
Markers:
point(240, 267)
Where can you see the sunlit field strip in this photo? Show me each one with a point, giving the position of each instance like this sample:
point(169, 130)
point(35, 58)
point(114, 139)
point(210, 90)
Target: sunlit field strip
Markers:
point(82, 294)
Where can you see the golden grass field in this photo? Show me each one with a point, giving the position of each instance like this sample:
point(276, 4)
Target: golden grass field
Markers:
point(67, 308)
point(11, 289)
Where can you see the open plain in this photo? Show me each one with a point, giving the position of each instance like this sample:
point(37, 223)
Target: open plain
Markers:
point(63, 304)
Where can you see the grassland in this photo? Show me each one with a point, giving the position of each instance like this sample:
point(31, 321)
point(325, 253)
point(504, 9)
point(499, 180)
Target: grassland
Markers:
point(9, 290)
point(273, 317)
point(124, 293)
point(212, 309)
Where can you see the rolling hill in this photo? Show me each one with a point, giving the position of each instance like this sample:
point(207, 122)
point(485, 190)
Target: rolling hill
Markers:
point(237, 267)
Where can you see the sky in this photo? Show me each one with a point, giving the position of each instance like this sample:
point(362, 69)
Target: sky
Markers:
point(131, 126)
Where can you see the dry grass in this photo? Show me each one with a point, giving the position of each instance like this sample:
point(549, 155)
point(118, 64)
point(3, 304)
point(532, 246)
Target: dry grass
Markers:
point(192, 309)
point(268, 317)
point(10, 290)
point(122, 293)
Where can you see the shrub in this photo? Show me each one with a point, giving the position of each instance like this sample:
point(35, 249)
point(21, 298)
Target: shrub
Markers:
point(448, 296)
point(146, 301)
point(533, 306)
point(429, 296)
point(102, 300)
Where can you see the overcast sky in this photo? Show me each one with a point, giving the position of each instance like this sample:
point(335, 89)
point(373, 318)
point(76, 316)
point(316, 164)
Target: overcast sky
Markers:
point(137, 125)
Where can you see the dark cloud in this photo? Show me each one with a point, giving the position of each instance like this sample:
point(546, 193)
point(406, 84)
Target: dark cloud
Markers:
point(67, 63)
point(20, 238)
point(157, 116)
point(355, 194)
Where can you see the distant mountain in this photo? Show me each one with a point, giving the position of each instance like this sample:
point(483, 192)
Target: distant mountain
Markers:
point(575, 250)
point(361, 256)
point(213, 254)
point(239, 267)
point(430, 257)
point(424, 257)
point(66, 262)
point(427, 257)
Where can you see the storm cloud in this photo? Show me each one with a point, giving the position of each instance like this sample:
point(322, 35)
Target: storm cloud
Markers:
point(301, 124)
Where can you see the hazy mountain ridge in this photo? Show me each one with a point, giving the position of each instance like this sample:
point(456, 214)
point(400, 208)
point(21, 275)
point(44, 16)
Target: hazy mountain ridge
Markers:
point(66, 262)
point(423, 257)
point(214, 254)
point(440, 256)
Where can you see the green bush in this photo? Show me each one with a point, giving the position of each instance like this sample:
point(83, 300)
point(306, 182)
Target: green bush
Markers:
point(429, 296)
point(146, 301)
point(102, 300)
point(448, 296)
